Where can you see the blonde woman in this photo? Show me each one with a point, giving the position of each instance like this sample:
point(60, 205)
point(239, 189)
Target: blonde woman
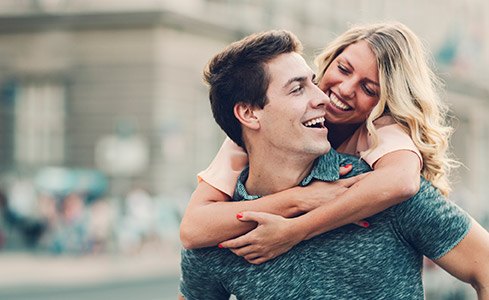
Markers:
point(384, 108)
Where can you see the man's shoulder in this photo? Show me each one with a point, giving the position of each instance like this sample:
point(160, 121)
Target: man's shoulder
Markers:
point(359, 166)
point(424, 200)
point(427, 195)
point(431, 222)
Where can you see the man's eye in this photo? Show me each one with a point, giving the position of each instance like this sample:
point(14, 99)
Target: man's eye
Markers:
point(297, 89)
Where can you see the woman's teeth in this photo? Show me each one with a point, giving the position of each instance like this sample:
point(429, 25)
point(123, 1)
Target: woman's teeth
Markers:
point(337, 103)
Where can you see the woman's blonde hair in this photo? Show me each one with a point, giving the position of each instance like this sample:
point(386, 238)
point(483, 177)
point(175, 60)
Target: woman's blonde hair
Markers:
point(408, 92)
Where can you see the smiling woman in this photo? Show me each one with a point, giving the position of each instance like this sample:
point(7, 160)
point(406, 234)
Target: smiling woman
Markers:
point(384, 69)
point(382, 96)
point(286, 156)
point(351, 82)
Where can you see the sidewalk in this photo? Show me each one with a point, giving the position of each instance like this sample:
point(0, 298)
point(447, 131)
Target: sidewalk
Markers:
point(25, 269)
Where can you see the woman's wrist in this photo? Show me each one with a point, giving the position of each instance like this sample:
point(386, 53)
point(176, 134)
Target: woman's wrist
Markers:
point(297, 229)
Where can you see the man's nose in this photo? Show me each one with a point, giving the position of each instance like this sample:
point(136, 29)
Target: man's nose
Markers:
point(320, 98)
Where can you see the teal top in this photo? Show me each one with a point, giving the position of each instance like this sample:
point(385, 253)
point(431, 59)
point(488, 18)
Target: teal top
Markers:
point(383, 261)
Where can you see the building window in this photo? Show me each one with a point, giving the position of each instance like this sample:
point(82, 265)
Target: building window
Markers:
point(39, 123)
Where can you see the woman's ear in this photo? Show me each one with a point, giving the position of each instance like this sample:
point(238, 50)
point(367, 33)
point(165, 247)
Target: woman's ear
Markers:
point(245, 114)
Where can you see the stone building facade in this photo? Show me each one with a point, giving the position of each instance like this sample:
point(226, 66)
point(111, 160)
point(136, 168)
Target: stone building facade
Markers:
point(73, 72)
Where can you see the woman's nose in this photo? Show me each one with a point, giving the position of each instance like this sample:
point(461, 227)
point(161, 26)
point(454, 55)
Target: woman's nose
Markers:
point(347, 89)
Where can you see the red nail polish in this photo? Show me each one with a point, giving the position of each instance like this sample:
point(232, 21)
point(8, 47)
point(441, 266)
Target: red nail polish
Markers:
point(239, 215)
point(365, 224)
point(348, 165)
point(220, 246)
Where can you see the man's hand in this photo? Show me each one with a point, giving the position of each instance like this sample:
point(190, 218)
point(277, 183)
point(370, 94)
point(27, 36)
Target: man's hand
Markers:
point(271, 238)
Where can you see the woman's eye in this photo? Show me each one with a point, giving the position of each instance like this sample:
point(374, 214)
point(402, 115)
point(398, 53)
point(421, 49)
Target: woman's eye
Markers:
point(343, 69)
point(369, 91)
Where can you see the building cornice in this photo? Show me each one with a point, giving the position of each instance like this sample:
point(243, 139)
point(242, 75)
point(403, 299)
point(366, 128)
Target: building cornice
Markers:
point(45, 21)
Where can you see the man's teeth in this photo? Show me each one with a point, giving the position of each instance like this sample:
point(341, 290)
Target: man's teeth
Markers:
point(314, 121)
point(336, 102)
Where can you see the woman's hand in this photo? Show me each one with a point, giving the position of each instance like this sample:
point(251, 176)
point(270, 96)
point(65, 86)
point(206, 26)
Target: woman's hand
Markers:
point(319, 193)
point(272, 237)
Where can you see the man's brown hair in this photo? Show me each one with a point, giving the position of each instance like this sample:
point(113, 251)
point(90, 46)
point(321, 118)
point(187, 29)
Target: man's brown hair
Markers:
point(238, 75)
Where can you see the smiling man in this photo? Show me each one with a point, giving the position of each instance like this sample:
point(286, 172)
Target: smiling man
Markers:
point(263, 95)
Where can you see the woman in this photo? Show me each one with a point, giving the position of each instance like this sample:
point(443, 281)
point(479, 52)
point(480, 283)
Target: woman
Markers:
point(384, 108)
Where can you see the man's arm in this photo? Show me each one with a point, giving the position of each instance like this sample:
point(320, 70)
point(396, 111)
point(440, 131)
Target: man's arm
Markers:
point(469, 260)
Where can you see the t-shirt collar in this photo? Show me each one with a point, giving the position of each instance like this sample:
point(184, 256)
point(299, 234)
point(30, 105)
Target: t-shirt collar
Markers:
point(325, 168)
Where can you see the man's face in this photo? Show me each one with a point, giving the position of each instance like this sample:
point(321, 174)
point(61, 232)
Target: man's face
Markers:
point(293, 118)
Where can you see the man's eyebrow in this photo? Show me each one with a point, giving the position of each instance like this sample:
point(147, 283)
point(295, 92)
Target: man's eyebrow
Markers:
point(294, 79)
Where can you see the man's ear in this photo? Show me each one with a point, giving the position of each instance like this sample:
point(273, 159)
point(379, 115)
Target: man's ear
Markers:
point(245, 114)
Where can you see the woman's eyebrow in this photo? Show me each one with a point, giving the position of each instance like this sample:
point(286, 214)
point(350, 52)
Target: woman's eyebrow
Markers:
point(346, 61)
point(353, 68)
point(372, 82)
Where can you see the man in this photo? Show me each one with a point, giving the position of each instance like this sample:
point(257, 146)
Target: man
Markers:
point(264, 97)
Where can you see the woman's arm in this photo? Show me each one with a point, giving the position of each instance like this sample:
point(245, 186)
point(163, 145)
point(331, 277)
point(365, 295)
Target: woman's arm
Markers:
point(210, 218)
point(395, 178)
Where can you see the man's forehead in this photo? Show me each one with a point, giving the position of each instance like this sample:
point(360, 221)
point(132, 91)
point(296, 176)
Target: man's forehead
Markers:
point(286, 66)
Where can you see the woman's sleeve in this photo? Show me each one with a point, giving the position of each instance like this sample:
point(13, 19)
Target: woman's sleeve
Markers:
point(391, 138)
point(224, 170)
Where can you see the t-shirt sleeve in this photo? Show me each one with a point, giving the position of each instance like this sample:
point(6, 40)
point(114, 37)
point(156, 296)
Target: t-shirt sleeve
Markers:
point(431, 223)
point(391, 138)
point(224, 170)
point(197, 281)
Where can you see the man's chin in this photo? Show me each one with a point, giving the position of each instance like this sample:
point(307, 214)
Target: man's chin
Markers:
point(318, 151)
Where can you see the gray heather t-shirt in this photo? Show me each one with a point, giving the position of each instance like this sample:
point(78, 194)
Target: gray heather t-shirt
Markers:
point(383, 261)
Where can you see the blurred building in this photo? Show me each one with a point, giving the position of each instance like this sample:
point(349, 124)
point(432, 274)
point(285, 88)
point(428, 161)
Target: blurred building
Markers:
point(115, 86)
point(76, 72)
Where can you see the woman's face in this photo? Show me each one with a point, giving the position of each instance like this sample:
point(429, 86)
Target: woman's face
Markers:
point(352, 83)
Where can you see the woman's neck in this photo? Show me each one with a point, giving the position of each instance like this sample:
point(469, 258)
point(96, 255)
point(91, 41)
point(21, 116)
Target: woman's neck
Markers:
point(339, 133)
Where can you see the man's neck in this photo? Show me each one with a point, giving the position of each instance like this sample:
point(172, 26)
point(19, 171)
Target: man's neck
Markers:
point(269, 174)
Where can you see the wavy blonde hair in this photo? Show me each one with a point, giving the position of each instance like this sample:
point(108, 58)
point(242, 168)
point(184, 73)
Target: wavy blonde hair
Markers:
point(408, 92)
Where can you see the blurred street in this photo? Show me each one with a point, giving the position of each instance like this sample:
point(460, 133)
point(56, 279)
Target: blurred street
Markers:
point(143, 277)
point(162, 288)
